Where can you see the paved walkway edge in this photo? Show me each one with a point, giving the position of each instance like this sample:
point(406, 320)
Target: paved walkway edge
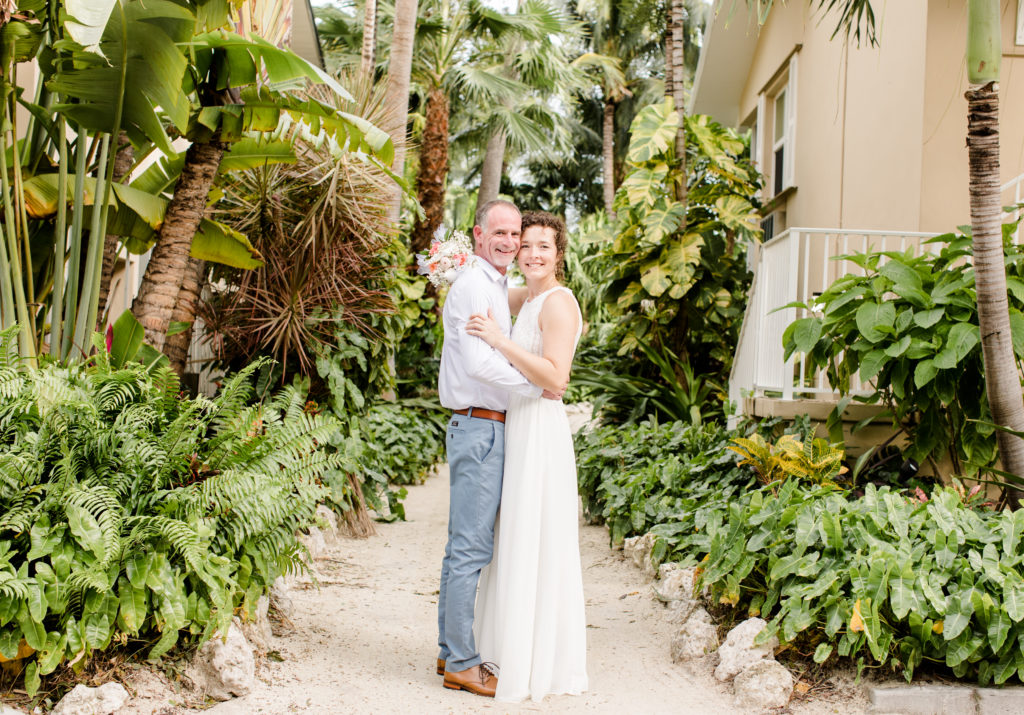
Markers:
point(946, 700)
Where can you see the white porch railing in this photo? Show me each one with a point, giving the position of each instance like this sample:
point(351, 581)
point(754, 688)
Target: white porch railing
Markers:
point(797, 265)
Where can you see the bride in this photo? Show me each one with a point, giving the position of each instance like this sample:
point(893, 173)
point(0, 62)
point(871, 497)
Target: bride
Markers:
point(530, 609)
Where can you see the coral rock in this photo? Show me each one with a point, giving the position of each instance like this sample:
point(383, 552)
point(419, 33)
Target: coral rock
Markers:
point(281, 597)
point(82, 700)
point(695, 638)
point(762, 685)
point(224, 668)
point(739, 652)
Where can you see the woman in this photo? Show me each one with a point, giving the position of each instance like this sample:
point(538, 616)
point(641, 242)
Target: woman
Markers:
point(530, 610)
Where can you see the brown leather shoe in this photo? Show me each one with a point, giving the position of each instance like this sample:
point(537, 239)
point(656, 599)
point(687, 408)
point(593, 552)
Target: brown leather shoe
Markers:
point(440, 667)
point(479, 680)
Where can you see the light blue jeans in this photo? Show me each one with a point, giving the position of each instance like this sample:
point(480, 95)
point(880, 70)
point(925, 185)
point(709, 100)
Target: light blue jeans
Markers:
point(476, 457)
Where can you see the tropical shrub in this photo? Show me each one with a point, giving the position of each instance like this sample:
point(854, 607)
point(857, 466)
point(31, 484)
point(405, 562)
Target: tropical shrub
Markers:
point(910, 326)
point(678, 269)
point(886, 578)
point(674, 275)
point(320, 224)
point(130, 513)
point(405, 439)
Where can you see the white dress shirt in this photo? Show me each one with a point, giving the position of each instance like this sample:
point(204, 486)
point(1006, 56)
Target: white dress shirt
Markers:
point(473, 374)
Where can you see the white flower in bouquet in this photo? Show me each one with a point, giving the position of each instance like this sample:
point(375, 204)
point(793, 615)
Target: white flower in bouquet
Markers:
point(450, 252)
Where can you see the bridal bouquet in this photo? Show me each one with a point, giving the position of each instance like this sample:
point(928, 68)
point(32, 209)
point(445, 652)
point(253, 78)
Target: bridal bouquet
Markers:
point(450, 252)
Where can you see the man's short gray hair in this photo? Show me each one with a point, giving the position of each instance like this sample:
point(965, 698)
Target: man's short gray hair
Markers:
point(481, 213)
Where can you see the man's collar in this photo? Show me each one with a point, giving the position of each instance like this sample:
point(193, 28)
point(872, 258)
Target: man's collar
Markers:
point(493, 273)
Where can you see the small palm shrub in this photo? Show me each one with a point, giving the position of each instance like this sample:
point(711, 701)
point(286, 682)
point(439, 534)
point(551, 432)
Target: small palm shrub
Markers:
point(130, 513)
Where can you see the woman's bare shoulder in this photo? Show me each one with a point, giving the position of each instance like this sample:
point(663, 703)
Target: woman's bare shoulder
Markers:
point(560, 305)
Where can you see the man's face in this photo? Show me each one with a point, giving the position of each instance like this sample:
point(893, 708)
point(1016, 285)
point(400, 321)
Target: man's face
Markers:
point(497, 240)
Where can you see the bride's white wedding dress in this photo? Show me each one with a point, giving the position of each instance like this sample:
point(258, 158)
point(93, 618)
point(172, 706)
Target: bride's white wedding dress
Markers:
point(530, 617)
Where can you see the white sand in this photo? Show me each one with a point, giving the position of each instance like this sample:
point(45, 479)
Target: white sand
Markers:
point(365, 641)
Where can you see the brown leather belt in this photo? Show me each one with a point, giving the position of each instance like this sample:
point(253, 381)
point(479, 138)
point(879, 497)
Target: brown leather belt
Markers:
point(482, 413)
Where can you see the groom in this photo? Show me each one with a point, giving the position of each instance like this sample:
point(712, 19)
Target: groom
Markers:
point(475, 381)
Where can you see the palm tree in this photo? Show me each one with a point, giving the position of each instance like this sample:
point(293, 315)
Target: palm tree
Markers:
point(624, 50)
point(218, 120)
point(676, 87)
point(456, 54)
point(369, 56)
point(1002, 380)
point(396, 99)
point(527, 121)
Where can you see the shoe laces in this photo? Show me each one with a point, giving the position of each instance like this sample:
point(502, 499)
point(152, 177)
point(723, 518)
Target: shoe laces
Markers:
point(487, 669)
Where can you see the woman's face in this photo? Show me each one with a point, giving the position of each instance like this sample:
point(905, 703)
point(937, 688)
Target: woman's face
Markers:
point(538, 256)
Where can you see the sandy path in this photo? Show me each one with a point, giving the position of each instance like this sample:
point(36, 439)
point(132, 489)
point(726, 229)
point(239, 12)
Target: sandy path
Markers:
point(365, 642)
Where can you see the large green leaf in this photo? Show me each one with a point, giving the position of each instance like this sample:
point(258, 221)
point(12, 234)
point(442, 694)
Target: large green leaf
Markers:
point(653, 131)
point(681, 256)
point(248, 61)
point(663, 220)
point(128, 334)
point(872, 317)
point(655, 277)
point(962, 339)
point(738, 214)
point(85, 528)
point(90, 17)
point(222, 244)
point(644, 186)
point(149, 34)
point(249, 153)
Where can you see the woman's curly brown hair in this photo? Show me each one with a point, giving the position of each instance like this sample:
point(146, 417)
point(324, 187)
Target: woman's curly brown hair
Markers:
point(546, 220)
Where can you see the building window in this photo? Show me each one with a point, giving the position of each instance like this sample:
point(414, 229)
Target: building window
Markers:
point(779, 154)
point(776, 122)
point(1020, 22)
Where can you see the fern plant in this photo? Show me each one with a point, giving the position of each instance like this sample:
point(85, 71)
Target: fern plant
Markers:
point(130, 512)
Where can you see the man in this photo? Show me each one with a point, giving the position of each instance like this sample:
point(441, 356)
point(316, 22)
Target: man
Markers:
point(474, 382)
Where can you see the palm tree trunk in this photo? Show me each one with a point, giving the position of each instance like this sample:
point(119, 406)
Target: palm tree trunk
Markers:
point(1002, 381)
point(122, 163)
point(167, 266)
point(490, 174)
point(370, 38)
point(433, 169)
point(396, 99)
point(177, 345)
point(608, 157)
point(675, 42)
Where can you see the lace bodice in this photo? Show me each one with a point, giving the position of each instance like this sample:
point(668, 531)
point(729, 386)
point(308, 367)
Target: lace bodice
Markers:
point(526, 331)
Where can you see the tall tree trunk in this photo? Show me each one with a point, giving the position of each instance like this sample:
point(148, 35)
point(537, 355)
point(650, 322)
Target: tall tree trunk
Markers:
point(167, 266)
point(370, 37)
point(1002, 381)
point(177, 345)
point(433, 169)
point(675, 42)
point(608, 157)
point(396, 99)
point(490, 174)
point(122, 163)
